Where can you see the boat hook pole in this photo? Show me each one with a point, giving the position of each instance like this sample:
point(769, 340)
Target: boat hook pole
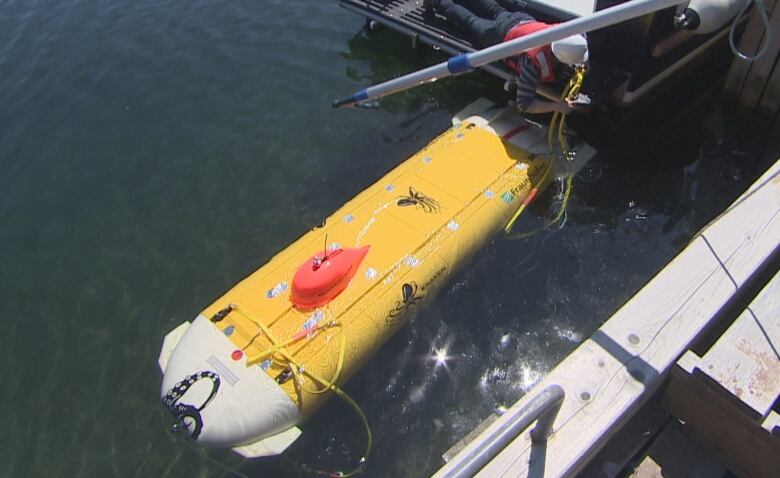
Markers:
point(466, 62)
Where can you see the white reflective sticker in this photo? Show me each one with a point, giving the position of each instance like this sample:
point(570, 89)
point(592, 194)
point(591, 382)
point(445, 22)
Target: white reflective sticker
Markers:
point(222, 370)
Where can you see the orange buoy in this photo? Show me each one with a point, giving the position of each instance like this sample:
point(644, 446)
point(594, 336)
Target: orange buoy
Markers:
point(324, 276)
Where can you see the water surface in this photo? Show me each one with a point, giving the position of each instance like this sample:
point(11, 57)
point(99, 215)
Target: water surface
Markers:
point(155, 153)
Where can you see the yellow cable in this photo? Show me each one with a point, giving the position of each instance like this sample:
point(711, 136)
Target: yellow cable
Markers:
point(260, 325)
point(528, 198)
point(277, 348)
point(558, 122)
point(304, 334)
point(332, 382)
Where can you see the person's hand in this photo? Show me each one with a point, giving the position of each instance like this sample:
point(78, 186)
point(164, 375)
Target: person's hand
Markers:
point(540, 106)
point(565, 107)
point(577, 105)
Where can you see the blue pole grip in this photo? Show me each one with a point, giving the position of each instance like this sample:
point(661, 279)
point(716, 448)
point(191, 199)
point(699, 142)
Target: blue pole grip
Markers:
point(351, 100)
point(459, 64)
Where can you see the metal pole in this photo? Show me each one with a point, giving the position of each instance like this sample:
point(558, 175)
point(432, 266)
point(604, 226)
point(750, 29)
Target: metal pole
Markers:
point(543, 407)
point(469, 61)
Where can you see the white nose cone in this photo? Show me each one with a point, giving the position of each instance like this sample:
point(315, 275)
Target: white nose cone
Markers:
point(220, 401)
point(571, 50)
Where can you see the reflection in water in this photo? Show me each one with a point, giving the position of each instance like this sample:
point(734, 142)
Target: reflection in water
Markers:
point(389, 55)
point(440, 358)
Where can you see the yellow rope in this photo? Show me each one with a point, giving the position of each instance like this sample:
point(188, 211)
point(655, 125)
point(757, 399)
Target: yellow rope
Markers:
point(332, 383)
point(557, 122)
point(278, 348)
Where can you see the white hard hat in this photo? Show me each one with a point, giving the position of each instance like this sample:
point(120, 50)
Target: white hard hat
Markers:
point(571, 50)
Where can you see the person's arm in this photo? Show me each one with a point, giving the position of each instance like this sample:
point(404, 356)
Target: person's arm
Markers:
point(538, 106)
point(526, 99)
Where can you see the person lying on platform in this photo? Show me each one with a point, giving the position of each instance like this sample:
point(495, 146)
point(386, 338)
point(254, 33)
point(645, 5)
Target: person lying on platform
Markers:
point(487, 23)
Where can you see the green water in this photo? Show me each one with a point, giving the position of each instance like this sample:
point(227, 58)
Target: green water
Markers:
point(155, 153)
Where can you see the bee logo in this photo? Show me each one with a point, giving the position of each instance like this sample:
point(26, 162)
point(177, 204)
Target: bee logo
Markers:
point(419, 200)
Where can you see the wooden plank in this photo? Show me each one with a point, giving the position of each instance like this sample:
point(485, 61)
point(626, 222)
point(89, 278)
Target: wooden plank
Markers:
point(628, 443)
point(749, 44)
point(610, 375)
point(760, 71)
point(647, 468)
point(674, 454)
point(745, 359)
point(709, 414)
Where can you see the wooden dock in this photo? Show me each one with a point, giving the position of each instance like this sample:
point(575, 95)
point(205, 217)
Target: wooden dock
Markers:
point(700, 341)
point(727, 397)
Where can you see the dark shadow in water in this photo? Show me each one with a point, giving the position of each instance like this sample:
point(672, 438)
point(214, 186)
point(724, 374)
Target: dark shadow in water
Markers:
point(380, 49)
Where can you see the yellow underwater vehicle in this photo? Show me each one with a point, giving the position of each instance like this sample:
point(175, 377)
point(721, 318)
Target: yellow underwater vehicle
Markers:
point(264, 356)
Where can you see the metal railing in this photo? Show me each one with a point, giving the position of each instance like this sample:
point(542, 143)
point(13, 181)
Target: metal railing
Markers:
point(543, 409)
